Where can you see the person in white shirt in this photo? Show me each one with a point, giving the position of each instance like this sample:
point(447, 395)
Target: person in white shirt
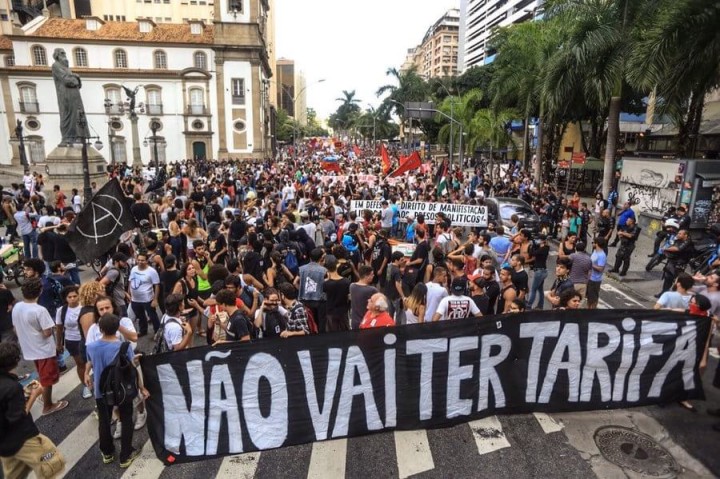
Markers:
point(309, 227)
point(144, 293)
point(457, 305)
point(436, 291)
point(68, 332)
point(177, 333)
point(34, 328)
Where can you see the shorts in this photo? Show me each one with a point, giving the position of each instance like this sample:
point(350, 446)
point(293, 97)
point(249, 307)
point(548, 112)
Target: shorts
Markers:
point(75, 348)
point(48, 371)
point(593, 291)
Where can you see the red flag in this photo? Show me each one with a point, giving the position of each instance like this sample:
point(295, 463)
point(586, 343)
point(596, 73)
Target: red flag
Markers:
point(331, 166)
point(413, 162)
point(357, 151)
point(385, 160)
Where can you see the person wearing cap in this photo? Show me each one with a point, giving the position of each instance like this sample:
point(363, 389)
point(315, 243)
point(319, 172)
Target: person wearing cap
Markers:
point(307, 225)
point(476, 284)
point(115, 284)
point(457, 305)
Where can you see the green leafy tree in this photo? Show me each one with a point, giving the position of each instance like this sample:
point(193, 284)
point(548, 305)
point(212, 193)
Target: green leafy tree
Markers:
point(343, 117)
point(409, 86)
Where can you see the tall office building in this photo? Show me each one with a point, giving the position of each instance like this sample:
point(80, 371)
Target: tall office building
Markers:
point(478, 19)
point(291, 90)
point(436, 56)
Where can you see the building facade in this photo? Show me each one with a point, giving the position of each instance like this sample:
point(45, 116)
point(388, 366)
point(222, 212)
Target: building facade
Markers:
point(204, 86)
point(478, 19)
point(291, 90)
point(437, 54)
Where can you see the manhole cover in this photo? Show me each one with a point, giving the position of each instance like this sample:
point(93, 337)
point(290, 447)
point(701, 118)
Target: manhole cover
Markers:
point(636, 451)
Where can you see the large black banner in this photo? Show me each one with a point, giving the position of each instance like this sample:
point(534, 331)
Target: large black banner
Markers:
point(245, 397)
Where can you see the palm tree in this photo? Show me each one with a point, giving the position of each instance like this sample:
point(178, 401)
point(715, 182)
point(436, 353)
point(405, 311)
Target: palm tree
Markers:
point(678, 56)
point(489, 127)
point(409, 87)
point(463, 110)
point(593, 60)
point(343, 116)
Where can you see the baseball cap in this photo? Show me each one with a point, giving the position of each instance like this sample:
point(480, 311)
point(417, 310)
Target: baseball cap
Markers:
point(458, 286)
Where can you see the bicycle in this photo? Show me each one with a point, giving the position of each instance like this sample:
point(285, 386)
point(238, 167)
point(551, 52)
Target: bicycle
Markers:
point(11, 263)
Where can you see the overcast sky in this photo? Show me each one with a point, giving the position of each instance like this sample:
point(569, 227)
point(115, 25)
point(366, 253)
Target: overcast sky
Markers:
point(351, 43)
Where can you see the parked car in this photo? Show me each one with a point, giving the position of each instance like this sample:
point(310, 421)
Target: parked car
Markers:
point(500, 210)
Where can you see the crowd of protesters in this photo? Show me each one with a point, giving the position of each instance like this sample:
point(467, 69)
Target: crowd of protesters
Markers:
point(244, 251)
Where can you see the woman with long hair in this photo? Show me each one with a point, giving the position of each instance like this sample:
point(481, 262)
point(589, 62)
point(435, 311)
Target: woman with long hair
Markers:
point(68, 332)
point(88, 294)
point(187, 286)
point(277, 273)
point(193, 232)
point(415, 305)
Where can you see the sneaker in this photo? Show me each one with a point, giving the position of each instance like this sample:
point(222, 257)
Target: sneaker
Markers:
point(107, 458)
point(140, 420)
point(86, 393)
point(133, 455)
point(118, 431)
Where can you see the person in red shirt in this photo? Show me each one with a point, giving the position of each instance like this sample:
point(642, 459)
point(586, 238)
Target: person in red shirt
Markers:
point(377, 313)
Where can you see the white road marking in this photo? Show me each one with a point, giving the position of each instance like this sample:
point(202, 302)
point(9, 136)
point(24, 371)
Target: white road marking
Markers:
point(547, 423)
point(328, 459)
point(603, 305)
point(242, 466)
point(146, 465)
point(78, 442)
point(488, 434)
point(413, 453)
point(68, 381)
point(612, 289)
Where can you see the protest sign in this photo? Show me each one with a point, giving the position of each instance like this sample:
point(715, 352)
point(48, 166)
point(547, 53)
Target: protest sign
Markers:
point(241, 397)
point(459, 214)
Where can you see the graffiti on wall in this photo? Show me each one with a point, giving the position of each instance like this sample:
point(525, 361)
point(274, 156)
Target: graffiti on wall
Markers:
point(648, 198)
point(655, 174)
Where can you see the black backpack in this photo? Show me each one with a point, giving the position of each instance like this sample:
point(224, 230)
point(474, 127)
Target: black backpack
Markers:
point(274, 323)
point(118, 381)
point(161, 345)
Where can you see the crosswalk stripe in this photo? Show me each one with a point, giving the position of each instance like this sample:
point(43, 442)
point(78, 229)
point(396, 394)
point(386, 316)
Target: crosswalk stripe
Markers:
point(146, 465)
point(68, 381)
point(611, 288)
point(488, 434)
point(547, 423)
point(413, 453)
point(78, 442)
point(328, 459)
point(242, 466)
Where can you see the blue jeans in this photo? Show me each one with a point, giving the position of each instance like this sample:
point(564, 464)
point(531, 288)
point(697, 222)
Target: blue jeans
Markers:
point(74, 274)
point(28, 241)
point(538, 283)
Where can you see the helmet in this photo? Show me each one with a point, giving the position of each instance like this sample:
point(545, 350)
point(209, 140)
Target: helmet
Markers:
point(672, 223)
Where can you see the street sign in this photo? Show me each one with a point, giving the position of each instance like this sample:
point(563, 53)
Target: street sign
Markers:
point(579, 158)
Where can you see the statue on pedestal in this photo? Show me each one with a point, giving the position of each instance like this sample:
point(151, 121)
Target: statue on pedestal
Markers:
point(70, 105)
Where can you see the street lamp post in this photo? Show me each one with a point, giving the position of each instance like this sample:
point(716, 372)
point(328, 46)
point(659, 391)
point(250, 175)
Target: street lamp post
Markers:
point(155, 159)
point(21, 139)
point(82, 123)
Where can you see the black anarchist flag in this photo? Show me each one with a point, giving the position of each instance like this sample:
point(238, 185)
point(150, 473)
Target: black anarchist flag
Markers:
point(101, 222)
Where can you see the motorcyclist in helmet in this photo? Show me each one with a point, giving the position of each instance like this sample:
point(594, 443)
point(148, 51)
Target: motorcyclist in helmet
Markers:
point(678, 255)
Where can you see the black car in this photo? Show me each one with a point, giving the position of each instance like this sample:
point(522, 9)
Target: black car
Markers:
point(500, 210)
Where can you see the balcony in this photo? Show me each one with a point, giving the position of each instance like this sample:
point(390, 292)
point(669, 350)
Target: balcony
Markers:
point(238, 100)
point(197, 110)
point(154, 109)
point(115, 109)
point(29, 107)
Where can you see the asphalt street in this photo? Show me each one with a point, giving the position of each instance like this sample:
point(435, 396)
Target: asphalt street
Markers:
point(538, 445)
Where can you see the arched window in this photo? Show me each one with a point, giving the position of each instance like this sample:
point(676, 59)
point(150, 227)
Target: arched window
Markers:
point(28, 99)
point(153, 99)
point(81, 58)
point(197, 101)
point(160, 60)
point(121, 59)
point(200, 60)
point(39, 56)
point(115, 96)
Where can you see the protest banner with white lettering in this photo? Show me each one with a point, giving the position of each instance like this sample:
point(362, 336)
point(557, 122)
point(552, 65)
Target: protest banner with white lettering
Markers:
point(370, 180)
point(241, 397)
point(459, 214)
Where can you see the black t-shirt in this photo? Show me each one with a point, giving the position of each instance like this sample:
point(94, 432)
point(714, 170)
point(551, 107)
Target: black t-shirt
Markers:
point(238, 327)
point(216, 245)
point(392, 275)
point(237, 230)
point(337, 291)
point(141, 211)
point(483, 303)
point(520, 280)
point(213, 213)
point(492, 290)
point(46, 241)
point(198, 199)
point(16, 426)
point(540, 253)
point(252, 264)
point(6, 299)
point(168, 280)
point(381, 250)
point(63, 252)
point(274, 323)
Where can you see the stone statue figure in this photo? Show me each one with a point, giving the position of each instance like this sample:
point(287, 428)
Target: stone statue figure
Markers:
point(70, 105)
point(131, 94)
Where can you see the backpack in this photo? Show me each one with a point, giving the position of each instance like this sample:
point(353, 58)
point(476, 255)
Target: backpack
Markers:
point(273, 324)
point(55, 292)
point(161, 345)
point(312, 325)
point(110, 287)
point(118, 381)
point(291, 262)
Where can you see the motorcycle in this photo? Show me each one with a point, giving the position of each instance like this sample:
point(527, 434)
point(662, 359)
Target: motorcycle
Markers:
point(707, 251)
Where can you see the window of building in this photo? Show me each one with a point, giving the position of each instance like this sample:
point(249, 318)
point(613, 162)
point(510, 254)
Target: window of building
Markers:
point(121, 59)
point(36, 147)
point(235, 6)
point(160, 60)
point(196, 28)
point(10, 60)
point(153, 98)
point(92, 24)
point(238, 91)
point(122, 18)
point(166, 1)
point(119, 149)
point(28, 99)
point(145, 26)
point(193, 2)
point(197, 101)
point(115, 96)
point(39, 56)
point(157, 1)
point(200, 60)
point(81, 58)
point(4, 15)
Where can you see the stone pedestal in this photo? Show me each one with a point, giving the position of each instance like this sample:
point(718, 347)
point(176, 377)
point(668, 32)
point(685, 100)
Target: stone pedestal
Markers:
point(64, 168)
